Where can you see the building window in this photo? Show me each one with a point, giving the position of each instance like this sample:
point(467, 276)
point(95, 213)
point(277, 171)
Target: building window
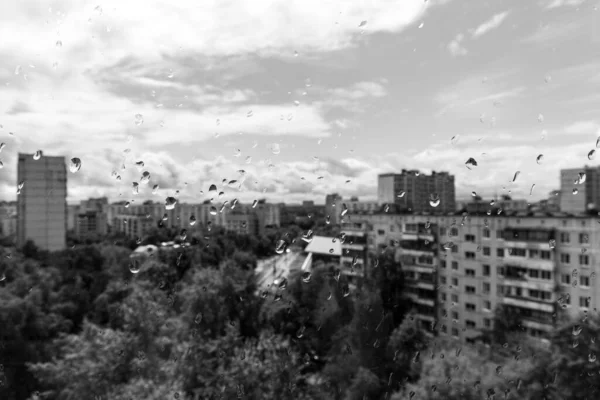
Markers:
point(442, 231)
point(469, 255)
point(443, 280)
point(486, 287)
point(486, 251)
point(470, 289)
point(565, 258)
point(584, 259)
point(500, 271)
point(534, 273)
point(455, 249)
point(455, 315)
point(454, 332)
point(470, 272)
point(565, 237)
point(443, 296)
point(565, 279)
point(499, 234)
point(444, 329)
point(455, 281)
point(583, 302)
point(454, 298)
point(583, 238)
point(500, 252)
point(487, 305)
point(469, 238)
point(517, 252)
point(547, 275)
point(486, 270)
point(499, 290)
point(380, 232)
point(443, 263)
point(455, 265)
point(470, 307)
point(470, 324)
point(584, 280)
point(486, 233)
point(545, 255)
point(453, 232)
point(487, 322)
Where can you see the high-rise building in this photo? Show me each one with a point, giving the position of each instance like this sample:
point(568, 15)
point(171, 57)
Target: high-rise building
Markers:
point(42, 202)
point(460, 268)
point(417, 192)
point(333, 207)
point(579, 189)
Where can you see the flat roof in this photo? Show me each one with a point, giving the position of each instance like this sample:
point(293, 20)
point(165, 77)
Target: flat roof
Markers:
point(324, 245)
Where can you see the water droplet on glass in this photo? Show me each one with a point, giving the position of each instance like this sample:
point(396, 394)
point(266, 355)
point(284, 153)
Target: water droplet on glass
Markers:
point(577, 330)
point(183, 234)
point(155, 189)
point(212, 188)
point(474, 194)
point(135, 188)
point(421, 25)
point(455, 139)
point(275, 149)
point(592, 154)
point(471, 163)
point(237, 153)
point(581, 178)
point(539, 159)
point(540, 118)
point(198, 318)
point(37, 155)
point(362, 24)
point(139, 119)
point(134, 267)
point(552, 243)
point(254, 203)
point(280, 247)
point(2, 146)
point(434, 200)
point(516, 175)
point(296, 103)
point(170, 203)
point(308, 236)
point(75, 165)
point(59, 43)
point(401, 194)
point(344, 210)
point(306, 277)
point(249, 114)
point(145, 177)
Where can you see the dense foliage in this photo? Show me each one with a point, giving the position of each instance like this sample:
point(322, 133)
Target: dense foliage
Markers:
point(193, 324)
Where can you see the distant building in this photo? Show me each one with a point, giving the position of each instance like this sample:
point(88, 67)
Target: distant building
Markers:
point(333, 205)
point(133, 226)
point(579, 189)
point(322, 249)
point(41, 203)
point(417, 192)
point(91, 224)
point(242, 224)
point(8, 219)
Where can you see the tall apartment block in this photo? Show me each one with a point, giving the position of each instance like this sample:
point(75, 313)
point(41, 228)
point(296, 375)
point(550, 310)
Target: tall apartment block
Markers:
point(412, 191)
point(460, 268)
point(42, 202)
point(579, 189)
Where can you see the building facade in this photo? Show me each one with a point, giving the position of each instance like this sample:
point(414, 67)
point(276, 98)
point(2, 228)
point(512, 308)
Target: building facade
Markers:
point(42, 202)
point(416, 192)
point(463, 267)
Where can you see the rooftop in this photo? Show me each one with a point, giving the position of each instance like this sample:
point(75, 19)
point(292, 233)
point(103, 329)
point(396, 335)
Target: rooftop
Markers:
point(324, 245)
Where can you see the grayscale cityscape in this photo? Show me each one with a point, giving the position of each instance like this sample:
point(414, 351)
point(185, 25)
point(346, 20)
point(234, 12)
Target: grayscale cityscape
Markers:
point(348, 200)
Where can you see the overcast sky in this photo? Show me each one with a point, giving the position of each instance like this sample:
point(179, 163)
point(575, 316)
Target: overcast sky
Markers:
point(307, 97)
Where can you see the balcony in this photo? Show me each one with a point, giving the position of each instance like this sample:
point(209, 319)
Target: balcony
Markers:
point(528, 283)
point(414, 236)
point(533, 263)
point(420, 300)
point(417, 252)
point(528, 303)
point(418, 268)
point(534, 323)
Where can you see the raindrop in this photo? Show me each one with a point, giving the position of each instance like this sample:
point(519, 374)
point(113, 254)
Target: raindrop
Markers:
point(421, 25)
point(170, 203)
point(471, 163)
point(212, 188)
point(75, 164)
point(155, 189)
point(283, 284)
point(37, 155)
point(306, 277)
point(401, 194)
point(213, 210)
point(17, 70)
point(139, 119)
point(516, 175)
point(248, 160)
point(547, 79)
point(134, 267)
point(249, 114)
point(145, 177)
point(280, 247)
point(237, 153)
point(362, 24)
point(575, 191)
point(591, 154)
point(135, 188)
point(434, 200)
point(198, 318)
point(275, 149)
point(474, 194)
point(59, 43)
point(139, 165)
point(531, 190)
point(254, 203)
point(296, 103)
point(592, 357)
point(581, 178)
point(552, 243)
point(540, 118)
point(183, 234)
point(455, 139)
point(344, 210)
point(577, 330)
point(308, 236)
point(234, 203)
point(192, 220)
point(539, 159)
point(2, 146)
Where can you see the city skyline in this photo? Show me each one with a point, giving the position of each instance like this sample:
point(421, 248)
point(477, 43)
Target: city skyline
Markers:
point(376, 98)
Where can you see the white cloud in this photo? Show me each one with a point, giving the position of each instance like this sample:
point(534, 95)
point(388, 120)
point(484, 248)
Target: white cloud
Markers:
point(551, 4)
point(492, 23)
point(455, 47)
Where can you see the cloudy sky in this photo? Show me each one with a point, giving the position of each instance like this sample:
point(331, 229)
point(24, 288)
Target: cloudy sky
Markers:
point(306, 96)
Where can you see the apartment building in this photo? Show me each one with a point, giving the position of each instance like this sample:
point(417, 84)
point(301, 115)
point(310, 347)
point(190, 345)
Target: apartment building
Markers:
point(417, 192)
point(537, 264)
point(42, 202)
point(354, 250)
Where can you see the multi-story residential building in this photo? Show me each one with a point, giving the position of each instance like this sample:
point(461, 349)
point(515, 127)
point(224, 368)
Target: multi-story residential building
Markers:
point(133, 226)
point(333, 208)
point(8, 218)
point(242, 223)
point(536, 264)
point(579, 189)
point(417, 192)
point(42, 201)
point(354, 250)
point(91, 224)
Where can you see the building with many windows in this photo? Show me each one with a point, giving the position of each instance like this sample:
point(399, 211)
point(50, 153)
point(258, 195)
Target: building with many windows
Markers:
point(460, 268)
